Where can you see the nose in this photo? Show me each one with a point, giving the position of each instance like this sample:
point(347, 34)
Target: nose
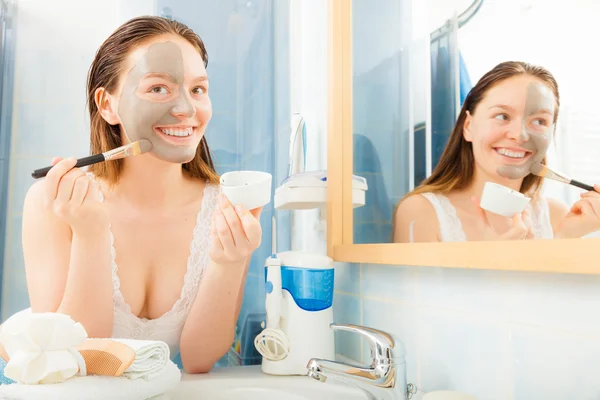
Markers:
point(183, 107)
point(518, 132)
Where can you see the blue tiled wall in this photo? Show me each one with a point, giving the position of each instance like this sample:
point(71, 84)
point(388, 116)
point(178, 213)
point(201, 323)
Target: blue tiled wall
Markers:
point(380, 108)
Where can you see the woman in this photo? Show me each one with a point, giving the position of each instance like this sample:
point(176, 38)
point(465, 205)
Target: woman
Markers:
point(504, 127)
point(112, 248)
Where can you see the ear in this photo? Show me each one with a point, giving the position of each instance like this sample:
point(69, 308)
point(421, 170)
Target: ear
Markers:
point(467, 127)
point(106, 106)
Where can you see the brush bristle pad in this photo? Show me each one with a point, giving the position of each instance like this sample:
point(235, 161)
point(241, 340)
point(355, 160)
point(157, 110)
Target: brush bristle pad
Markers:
point(106, 357)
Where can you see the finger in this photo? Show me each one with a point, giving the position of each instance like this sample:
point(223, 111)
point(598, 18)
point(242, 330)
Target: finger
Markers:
point(480, 211)
point(80, 189)
point(592, 194)
point(597, 187)
point(590, 206)
point(256, 212)
point(213, 227)
point(527, 221)
point(54, 176)
point(55, 160)
point(93, 193)
point(65, 187)
point(234, 223)
point(518, 230)
point(595, 205)
point(517, 221)
point(251, 226)
point(216, 245)
point(223, 232)
point(530, 234)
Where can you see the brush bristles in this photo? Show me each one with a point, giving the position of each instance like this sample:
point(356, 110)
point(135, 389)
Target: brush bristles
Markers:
point(141, 146)
point(539, 170)
point(545, 172)
point(129, 150)
point(98, 362)
point(106, 357)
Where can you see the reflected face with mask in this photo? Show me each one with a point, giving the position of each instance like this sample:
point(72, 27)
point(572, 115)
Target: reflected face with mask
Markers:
point(163, 97)
point(511, 128)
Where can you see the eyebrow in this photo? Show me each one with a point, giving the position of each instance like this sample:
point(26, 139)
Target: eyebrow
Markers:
point(505, 107)
point(201, 78)
point(170, 77)
point(543, 111)
point(509, 108)
point(160, 75)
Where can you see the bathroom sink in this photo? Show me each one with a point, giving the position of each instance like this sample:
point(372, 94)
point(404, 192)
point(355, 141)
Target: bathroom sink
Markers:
point(250, 383)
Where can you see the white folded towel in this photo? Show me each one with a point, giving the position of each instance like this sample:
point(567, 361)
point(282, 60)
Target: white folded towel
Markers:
point(151, 357)
point(41, 347)
point(96, 387)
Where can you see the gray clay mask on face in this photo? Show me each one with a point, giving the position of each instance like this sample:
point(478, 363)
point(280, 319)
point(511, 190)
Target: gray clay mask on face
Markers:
point(539, 97)
point(141, 116)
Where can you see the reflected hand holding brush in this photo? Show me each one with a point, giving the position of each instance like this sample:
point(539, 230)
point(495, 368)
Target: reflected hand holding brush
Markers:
point(132, 149)
point(545, 172)
point(584, 216)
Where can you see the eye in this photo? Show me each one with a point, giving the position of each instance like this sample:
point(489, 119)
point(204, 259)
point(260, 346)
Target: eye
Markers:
point(159, 90)
point(502, 117)
point(540, 121)
point(198, 90)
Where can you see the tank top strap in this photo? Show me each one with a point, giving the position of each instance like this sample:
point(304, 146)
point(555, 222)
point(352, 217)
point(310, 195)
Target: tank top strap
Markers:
point(451, 229)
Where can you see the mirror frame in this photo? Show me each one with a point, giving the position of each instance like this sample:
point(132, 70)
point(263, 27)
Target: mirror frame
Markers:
point(575, 256)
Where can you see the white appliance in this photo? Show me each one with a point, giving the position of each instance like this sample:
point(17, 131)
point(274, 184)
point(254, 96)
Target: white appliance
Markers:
point(308, 190)
point(299, 285)
point(305, 311)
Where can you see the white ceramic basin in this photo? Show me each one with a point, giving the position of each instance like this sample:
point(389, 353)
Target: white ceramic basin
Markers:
point(250, 383)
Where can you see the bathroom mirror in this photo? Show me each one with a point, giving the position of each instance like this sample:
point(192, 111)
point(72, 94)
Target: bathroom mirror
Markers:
point(399, 78)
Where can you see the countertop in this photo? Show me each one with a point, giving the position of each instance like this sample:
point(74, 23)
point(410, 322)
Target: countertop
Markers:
point(199, 382)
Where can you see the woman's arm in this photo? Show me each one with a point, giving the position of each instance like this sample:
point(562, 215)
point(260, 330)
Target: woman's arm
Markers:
point(209, 329)
point(67, 272)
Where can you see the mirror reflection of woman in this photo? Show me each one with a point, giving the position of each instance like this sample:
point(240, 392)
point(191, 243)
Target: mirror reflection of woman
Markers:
point(495, 134)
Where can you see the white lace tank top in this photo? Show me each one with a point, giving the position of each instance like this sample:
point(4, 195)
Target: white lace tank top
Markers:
point(167, 327)
point(451, 229)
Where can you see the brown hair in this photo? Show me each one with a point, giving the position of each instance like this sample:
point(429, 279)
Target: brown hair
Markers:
point(105, 71)
point(454, 171)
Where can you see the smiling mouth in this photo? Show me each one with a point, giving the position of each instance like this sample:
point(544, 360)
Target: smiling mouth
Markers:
point(180, 132)
point(512, 153)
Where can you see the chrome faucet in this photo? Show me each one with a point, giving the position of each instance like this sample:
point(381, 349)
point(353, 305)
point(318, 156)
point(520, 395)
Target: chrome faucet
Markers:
point(384, 379)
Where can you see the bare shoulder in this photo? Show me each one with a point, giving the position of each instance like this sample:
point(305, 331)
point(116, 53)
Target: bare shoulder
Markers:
point(415, 214)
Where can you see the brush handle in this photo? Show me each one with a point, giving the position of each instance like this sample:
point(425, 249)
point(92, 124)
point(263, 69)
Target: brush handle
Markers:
point(82, 162)
point(582, 185)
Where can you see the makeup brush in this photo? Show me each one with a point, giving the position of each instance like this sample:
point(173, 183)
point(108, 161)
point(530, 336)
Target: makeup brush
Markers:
point(545, 172)
point(132, 149)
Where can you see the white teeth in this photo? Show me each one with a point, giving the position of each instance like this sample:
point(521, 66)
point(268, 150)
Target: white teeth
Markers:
point(177, 131)
point(512, 154)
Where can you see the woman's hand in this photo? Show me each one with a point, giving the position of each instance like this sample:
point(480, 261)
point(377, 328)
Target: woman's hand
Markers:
point(235, 232)
point(520, 226)
point(73, 197)
point(584, 216)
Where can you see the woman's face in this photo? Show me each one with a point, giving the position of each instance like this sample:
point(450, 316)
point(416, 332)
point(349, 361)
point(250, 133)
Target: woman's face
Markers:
point(511, 128)
point(163, 97)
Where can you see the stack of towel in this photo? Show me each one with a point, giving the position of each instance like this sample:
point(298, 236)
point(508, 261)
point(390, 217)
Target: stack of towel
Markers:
point(51, 348)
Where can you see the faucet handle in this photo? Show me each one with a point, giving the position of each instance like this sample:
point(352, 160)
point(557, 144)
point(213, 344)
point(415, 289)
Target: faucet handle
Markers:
point(383, 345)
